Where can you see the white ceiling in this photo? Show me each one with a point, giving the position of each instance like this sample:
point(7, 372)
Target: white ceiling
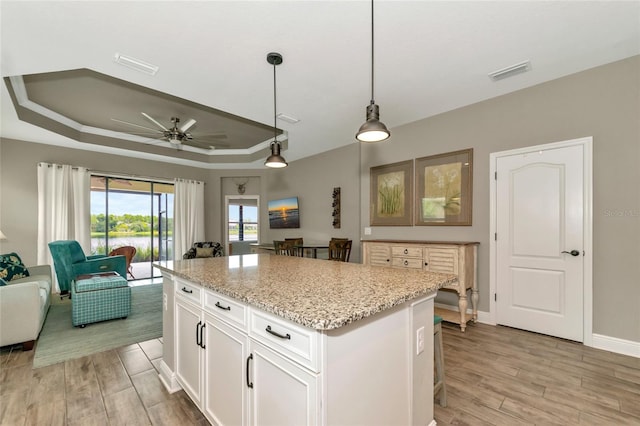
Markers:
point(431, 57)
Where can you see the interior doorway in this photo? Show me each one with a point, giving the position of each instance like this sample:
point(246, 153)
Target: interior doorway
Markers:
point(242, 218)
point(541, 239)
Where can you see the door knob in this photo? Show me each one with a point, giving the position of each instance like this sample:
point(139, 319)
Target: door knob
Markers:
point(572, 252)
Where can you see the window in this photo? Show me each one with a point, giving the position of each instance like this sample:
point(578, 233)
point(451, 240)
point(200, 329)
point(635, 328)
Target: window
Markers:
point(132, 212)
point(243, 220)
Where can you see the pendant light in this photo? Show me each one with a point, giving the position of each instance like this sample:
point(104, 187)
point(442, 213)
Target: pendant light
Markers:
point(373, 130)
point(275, 160)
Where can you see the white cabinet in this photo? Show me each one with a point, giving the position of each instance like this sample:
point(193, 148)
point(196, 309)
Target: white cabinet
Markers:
point(235, 380)
point(282, 392)
point(225, 399)
point(459, 258)
point(188, 328)
point(243, 366)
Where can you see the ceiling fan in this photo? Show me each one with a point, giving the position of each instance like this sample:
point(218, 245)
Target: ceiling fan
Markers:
point(177, 136)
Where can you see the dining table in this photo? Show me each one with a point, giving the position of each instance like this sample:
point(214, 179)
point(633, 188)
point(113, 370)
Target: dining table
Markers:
point(311, 248)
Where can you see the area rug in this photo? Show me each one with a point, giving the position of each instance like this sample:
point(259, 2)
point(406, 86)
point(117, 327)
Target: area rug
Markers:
point(60, 341)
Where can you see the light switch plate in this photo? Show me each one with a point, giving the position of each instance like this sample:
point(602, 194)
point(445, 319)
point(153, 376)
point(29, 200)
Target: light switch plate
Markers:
point(367, 231)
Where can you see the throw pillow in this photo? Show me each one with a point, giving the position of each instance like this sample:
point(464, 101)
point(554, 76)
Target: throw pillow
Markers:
point(11, 267)
point(204, 252)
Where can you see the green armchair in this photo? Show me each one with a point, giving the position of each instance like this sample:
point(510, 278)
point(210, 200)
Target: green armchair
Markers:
point(70, 261)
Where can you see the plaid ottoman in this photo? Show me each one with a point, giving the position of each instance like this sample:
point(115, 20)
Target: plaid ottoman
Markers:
point(99, 297)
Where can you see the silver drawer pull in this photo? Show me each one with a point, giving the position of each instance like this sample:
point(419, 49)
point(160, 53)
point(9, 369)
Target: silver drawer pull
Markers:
point(275, 333)
point(406, 251)
point(406, 263)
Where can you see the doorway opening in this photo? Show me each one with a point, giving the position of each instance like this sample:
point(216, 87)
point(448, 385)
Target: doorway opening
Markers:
point(133, 212)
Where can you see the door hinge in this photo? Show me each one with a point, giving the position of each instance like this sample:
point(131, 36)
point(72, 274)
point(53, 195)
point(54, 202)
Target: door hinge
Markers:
point(495, 236)
point(495, 297)
point(495, 175)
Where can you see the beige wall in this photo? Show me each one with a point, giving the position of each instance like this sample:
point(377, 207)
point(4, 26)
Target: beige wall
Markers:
point(602, 102)
point(19, 185)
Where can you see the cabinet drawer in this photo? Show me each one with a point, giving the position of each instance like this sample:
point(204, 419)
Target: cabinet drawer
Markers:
point(291, 340)
point(189, 291)
point(406, 251)
point(407, 262)
point(226, 309)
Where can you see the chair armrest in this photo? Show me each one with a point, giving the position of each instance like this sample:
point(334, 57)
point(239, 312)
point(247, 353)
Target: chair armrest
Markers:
point(95, 256)
point(104, 264)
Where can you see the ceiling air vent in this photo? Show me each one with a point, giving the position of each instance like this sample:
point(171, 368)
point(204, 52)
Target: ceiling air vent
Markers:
point(509, 71)
point(136, 64)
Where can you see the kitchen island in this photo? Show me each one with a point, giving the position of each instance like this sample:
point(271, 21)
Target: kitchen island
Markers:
point(263, 339)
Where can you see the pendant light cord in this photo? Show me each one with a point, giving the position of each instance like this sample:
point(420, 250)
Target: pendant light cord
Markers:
point(275, 120)
point(372, 97)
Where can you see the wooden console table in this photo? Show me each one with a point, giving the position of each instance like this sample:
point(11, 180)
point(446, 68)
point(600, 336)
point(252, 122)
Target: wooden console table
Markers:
point(453, 257)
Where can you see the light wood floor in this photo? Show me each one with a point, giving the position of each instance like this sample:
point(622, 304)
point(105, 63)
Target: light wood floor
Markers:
point(503, 376)
point(117, 387)
point(495, 376)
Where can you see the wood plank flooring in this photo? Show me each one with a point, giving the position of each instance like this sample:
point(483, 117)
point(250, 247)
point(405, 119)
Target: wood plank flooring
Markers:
point(495, 376)
point(117, 387)
point(503, 376)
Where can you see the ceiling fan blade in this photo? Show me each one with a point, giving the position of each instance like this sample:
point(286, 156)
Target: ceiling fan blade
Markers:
point(211, 136)
point(186, 126)
point(135, 125)
point(204, 144)
point(155, 122)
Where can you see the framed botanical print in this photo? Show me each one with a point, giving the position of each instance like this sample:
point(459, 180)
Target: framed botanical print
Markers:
point(391, 202)
point(444, 189)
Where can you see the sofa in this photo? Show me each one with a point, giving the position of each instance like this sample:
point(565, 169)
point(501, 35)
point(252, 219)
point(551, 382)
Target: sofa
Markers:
point(24, 303)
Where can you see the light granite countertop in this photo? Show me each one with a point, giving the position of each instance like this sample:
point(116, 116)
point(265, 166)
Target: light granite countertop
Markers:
point(315, 293)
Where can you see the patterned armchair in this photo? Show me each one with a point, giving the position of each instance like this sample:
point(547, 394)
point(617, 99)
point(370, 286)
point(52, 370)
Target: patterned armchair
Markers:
point(204, 249)
point(70, 261)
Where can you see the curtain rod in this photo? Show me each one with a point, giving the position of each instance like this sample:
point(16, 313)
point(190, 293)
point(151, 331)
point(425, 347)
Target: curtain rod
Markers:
point(121, 176)
point(127, 176)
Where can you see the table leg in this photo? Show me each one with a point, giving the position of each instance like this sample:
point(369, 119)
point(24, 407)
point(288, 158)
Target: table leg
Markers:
point(462, 305)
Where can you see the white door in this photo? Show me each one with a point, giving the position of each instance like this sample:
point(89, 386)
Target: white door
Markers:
point(540, 241)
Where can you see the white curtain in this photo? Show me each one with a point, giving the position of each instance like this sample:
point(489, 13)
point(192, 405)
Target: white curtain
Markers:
point(64, 194)
point(188, 215)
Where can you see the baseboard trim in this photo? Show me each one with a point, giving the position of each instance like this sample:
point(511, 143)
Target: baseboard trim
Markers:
point(619, 346)
point(168, 378)
point(483, 317)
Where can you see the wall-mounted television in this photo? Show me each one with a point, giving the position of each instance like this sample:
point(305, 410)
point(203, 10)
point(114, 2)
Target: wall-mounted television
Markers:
point(284, 213)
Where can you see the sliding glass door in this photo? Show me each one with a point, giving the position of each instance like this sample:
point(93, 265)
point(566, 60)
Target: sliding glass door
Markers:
point(132, 212)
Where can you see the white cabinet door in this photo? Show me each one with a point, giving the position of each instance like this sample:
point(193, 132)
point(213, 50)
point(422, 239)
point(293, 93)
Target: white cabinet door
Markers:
point(283, 393)
point(188, 353)
point(225, 399)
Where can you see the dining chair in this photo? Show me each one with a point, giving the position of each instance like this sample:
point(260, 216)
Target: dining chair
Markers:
point(339, 250)
point(284, 248)
point(299, 242)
